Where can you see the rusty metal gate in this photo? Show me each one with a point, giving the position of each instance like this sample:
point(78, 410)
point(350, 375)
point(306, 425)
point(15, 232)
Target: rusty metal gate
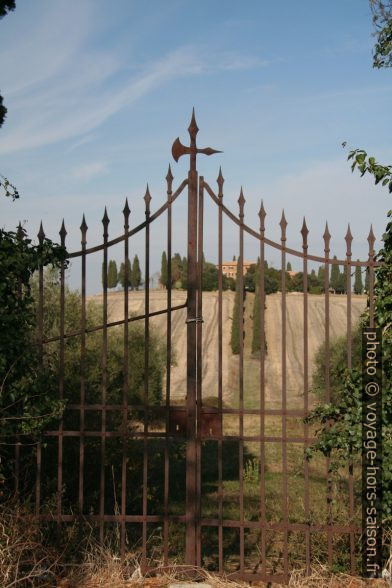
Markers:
point(224, 523)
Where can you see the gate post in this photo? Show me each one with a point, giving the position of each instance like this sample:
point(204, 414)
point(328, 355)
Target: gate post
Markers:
point(191, 452)
point(192, 495)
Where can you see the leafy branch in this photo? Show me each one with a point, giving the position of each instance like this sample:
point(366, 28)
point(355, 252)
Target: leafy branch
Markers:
point(367, 164)
point(10, 190)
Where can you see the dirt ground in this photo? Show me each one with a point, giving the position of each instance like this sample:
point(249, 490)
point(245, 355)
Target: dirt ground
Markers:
point(273, 329)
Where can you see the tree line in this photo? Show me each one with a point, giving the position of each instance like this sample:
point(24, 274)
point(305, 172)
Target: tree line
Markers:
point(272, 277)
point(129, 274)
point(316, 284)
point(179, 274)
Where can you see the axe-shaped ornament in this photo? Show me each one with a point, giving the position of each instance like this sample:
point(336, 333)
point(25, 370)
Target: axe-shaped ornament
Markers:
point(179, 149)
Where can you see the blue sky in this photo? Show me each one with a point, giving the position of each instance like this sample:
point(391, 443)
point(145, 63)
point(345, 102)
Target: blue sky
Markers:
point(96, 93)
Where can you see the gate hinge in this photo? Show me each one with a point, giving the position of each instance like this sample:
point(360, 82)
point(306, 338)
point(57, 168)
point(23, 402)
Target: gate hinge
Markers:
point(198, 319)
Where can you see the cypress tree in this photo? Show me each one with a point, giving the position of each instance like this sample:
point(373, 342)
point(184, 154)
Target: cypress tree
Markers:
point(184, 273)
point(289, 268)
point(335, 274)
point(256, 312)
point(163, 276)
point(358, 286)
point(136, 275)
point(112, 274)
point(342, 282)
point(236, 328)
point(121, 274)
point(176, 268)
point(367, 279)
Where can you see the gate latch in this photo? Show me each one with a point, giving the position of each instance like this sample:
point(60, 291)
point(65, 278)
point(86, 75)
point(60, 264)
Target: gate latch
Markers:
point(198, 319)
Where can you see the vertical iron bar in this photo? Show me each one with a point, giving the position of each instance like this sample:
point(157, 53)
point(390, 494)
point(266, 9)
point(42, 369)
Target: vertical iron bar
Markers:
point(169, 180)
point(199, 367)
point(83, 228)
point(283, 225)
point(41, 237)
point(19, 234)
point(126, 213)
point(191, 480)
point(63, 234)
point(327, 239)
point(105, 222)
point(241, 202)
point(349, 239)
point(147, 200)
point(261, 294)
point(220, 181)
point(305, 232)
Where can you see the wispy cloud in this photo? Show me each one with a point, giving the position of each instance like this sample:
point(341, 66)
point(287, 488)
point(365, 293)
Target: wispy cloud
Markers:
point(61, 90)
point(87, 171)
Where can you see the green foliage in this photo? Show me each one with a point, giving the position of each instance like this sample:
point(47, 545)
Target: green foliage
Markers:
point(340, 430)
point(335, 276)
point(210, 276)
point(3, 111)
point(341, 287)
point(271, 279)
point(289, 268)
point(176, 268)
point(27, 375)
point(6, 6)
point(367, 164)
point(136, 275)
point(337, 365)
point(184, 274)
point(256, 339)
point(124, 277)
point(163, 277)
point(112, 274)
point(382, 19)
point(358, 285)
point(236, 328)
point(250, 278)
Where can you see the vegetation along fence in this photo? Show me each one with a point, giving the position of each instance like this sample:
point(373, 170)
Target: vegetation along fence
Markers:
point(223, 482)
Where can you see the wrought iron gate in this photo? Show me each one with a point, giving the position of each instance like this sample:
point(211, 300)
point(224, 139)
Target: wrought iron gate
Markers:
point(241, 538)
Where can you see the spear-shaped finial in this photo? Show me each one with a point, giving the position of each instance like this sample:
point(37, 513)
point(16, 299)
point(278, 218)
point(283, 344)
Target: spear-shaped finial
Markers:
point(304, 233)
point(371, 240)
point(83, 228)
point(147, 199)
point(105, 222)
point(193, 129)
point(262, 215)
point(283, 225)
point(327, 238)
point(169, 178)
point(62, 233)
point(241, 202)
point(220, 180)
point(348, 238)
point(126, 209)
point(105, 218)
point(41, 233)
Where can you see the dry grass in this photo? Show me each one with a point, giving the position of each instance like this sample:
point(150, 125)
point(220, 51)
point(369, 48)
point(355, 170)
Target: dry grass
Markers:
point(108, 572)
point(27, 561)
